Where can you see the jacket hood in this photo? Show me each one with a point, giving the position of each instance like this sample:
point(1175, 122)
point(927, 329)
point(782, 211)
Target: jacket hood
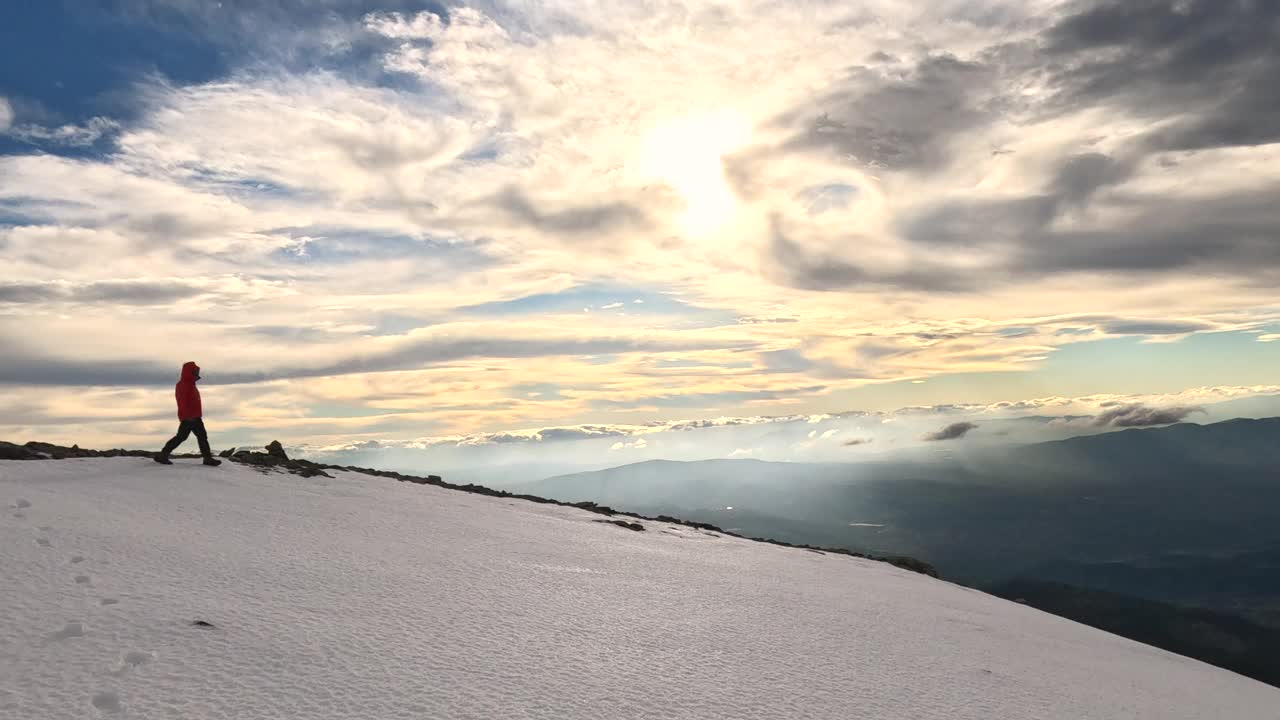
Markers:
point(190, 371)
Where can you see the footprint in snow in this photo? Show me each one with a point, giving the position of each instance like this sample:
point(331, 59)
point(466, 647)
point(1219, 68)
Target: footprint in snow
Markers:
point(132, 659)
point(107, 702)
point(21, 504)
point(83, 580)
point(77, 559)
point(108, 601)
point(43, 542)
point(72, 630)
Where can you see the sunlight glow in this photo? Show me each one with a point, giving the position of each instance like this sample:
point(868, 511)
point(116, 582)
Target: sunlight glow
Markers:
point(686, 154)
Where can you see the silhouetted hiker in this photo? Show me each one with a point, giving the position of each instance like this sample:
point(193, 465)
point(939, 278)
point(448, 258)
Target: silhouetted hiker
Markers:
point(190, 416)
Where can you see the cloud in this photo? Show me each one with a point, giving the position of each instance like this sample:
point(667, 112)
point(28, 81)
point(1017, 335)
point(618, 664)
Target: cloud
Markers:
point(6, 114)
point(1143, 416)
point(124, 292)
point(23, 370)
point(796, 265)
point(1209, 64)
point(375, 358)
point(404, 213)
point(1154, 327)
point(954, 431)
point(75, 136)
point(900, 118)
point(577, 220)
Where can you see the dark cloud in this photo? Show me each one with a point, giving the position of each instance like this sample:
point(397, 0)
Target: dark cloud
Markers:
point(125, 292)
point(1208, 67)
point(140, 292)
point(1013, 222)
point(800, 267)
point(1210, 63)
point(1142, 416)
point(570, 221)
point(1234, 232)
point(23, 368)
point(887, 118)
point(1154, 327)
point(954, 431)
point(434, 351)
point(1080, 176)
point(1202, 72)
point(24, 293)
point(1229, 232)
point(858, 441)
point(27, 370)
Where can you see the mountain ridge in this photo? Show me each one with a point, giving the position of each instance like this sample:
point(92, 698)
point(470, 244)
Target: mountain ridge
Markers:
point(35, 451)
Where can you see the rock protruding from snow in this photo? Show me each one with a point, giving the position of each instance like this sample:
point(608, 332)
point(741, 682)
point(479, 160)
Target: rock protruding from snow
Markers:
point(275, 449)
point(269, 460)
point(10, 451)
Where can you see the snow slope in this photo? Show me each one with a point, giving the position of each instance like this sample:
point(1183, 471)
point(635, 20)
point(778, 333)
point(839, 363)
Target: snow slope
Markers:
point(361, 597)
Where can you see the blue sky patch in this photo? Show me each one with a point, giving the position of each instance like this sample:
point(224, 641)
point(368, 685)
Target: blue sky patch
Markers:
point(818, 199)
point(335, 246)
point(609, 300)
point(67, 62)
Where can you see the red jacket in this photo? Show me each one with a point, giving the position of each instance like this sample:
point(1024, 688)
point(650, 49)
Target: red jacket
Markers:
point(187, 394)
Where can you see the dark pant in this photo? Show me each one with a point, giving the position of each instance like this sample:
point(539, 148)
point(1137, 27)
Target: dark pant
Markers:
point(188, 426)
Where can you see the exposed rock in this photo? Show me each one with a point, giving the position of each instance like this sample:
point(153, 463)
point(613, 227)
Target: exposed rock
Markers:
point(602, 509)
point(623, 523)
point(9, 451)
point(275, 449)
point(203, 624)
point(267, 461)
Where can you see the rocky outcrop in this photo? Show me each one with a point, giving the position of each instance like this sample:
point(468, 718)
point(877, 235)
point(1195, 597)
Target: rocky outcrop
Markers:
point(624, 524)
point(9, 451)
point(275, 449)
point(276, 458)
point(48, 451)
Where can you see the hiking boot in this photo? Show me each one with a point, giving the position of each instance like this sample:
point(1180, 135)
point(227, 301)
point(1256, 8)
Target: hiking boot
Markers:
point(212, 462)
point(163, 459)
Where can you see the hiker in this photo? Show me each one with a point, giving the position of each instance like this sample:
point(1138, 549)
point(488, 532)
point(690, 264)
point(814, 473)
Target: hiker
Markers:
point(189, 416)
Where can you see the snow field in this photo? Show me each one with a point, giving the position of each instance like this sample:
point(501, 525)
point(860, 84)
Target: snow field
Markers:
point(361, 597)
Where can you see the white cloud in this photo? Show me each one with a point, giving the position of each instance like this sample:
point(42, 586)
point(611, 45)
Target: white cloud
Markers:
point(329, 222)
point(66, 135)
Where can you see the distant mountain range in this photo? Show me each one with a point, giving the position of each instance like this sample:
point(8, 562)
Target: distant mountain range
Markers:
point(991, 515)
point(1218, 638)
point(1186, 516)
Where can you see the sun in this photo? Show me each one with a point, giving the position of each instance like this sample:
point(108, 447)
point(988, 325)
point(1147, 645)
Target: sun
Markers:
point(686, 154)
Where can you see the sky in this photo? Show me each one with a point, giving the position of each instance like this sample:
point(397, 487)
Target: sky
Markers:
point(407, 224)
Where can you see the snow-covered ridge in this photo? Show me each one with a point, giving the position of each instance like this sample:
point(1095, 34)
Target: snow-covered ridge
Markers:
point(353, 597)
point(278, 460)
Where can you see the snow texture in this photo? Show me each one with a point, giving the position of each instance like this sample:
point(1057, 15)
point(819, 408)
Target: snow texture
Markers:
point(362, 597)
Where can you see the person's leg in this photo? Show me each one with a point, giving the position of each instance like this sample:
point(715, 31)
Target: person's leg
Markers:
point(202, 437)
point(184, 431)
